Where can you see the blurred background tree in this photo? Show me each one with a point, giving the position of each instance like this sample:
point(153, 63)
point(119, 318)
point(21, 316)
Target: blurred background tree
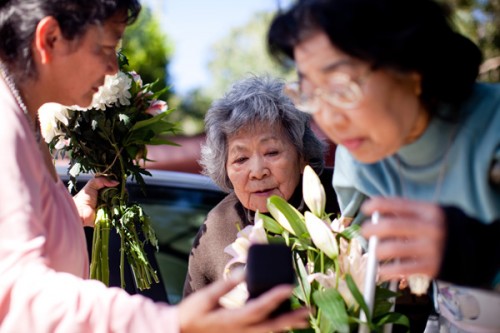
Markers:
point(242, 52)
point(480, 21)
point(149, 50)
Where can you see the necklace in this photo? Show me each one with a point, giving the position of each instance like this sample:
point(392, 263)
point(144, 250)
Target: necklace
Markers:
point(35, 126)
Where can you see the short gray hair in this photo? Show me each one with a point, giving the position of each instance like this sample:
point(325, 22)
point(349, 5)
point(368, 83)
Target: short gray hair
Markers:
point(251, 101)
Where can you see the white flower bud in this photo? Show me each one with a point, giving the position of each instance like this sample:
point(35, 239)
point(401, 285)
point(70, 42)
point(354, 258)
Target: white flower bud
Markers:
point(419, 283)
point(313, 191)
point(321, 235)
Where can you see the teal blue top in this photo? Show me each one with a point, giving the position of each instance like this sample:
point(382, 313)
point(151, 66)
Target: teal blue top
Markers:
point(449, 164)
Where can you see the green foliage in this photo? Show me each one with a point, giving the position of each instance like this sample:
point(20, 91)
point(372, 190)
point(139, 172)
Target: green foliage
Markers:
point(479, 20)
point(243, 52)
point(149, 50)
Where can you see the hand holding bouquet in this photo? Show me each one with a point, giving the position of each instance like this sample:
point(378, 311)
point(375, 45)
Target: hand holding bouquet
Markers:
point(109, 139)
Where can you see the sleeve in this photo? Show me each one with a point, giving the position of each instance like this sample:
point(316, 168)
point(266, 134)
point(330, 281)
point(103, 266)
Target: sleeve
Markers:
point(348, 197)
point(207, 259)
point(471, 254)
point(33, 296)
point(196, 277)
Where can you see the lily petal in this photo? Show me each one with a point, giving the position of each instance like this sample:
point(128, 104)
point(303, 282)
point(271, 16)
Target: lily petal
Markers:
point(314, 192)
point(321, 235)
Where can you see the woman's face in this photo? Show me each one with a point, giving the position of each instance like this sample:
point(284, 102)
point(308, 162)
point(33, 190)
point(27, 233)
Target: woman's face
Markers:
point(78, 67)
point(261, 162)
point(388, 115)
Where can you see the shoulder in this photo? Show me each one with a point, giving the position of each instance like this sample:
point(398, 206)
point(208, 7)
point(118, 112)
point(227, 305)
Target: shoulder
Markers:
point(482, 110)
point(224, 209)
point(223, 221)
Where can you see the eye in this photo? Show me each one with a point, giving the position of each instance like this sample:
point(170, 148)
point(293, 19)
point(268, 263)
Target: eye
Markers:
point(273, 153)
point(109, 50)
point(240, 160)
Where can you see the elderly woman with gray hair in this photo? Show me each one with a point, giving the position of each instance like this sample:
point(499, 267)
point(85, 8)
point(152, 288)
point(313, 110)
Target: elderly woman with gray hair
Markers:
point(257, 144)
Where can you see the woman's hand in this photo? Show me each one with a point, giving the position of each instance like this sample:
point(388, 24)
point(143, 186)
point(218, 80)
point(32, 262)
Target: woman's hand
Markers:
point(201, 312)
point(411, 236)
point(86, 198)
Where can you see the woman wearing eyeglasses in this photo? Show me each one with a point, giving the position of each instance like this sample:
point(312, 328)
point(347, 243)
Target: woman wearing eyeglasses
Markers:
point(395, 87)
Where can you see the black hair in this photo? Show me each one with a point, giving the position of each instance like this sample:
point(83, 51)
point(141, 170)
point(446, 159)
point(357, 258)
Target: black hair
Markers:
point(403, 35)
point(19, 19)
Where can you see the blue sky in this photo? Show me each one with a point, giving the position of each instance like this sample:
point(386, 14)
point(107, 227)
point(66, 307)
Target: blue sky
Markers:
point(194, 25)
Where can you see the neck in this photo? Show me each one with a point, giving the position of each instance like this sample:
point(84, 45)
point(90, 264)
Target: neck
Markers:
point(421, 123)
point(29, 110)
point(31, 98)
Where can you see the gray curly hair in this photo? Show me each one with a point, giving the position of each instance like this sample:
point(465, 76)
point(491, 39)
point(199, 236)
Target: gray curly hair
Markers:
point(252, 101)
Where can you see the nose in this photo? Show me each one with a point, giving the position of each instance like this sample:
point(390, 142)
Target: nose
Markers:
point(331, 115)
point(258, 168)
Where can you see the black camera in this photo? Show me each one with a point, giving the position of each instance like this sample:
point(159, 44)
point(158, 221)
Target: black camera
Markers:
point(269, 265)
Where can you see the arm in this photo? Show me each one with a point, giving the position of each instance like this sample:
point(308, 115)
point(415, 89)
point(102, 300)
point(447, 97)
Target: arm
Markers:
point(471, 254)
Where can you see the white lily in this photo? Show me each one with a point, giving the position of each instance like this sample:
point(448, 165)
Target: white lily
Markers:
point(313, 192)
point(49, 115)
point(236, 298)
point(321, 235)
point(352, 261)
point(329, 280)
point(419, 283)
point(251, 234)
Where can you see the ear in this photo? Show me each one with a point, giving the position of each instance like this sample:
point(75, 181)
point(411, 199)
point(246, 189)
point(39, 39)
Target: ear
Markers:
point(303, 164)
point(416, 81)
point(47, 35)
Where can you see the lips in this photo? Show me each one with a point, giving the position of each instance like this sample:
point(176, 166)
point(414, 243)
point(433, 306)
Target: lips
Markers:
point(352, 144)
point(265, 192)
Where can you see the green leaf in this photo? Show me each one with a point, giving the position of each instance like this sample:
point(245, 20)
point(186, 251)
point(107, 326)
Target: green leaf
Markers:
point(351, 231)
point(149, 122)
point(305, 288)
point(333, 308)
point(293, 216)
point(393, 318)
point(358, 296)
point(271, 225)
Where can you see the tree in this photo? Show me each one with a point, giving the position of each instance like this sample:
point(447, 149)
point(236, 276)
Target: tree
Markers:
point(479, 20)
point(244, 52)
point(149, 50)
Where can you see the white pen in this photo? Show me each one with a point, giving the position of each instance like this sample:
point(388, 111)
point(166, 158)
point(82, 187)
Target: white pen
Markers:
point(371, 277)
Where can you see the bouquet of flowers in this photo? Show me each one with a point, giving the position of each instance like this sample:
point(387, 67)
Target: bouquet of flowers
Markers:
point(109, 138)
point(329, 261)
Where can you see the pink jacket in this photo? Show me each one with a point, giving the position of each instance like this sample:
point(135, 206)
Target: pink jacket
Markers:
point(43, 257)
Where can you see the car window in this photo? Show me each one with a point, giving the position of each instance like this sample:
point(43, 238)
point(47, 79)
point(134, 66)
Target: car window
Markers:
point(177, 204)
point(176, 215)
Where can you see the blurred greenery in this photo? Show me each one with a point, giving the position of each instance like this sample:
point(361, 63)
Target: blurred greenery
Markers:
point(479, 20)
point(242, 52)
point(149, 50)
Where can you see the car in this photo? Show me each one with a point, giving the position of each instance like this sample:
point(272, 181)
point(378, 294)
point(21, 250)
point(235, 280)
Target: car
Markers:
point(177, 203)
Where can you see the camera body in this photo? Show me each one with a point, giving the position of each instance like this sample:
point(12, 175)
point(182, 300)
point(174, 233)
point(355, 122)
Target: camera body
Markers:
point(269, 265)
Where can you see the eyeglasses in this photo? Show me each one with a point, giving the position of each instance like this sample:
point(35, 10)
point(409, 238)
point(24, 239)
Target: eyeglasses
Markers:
point(341, 91)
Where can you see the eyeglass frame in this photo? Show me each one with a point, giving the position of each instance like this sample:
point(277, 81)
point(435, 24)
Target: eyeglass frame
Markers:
point(310, 104)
